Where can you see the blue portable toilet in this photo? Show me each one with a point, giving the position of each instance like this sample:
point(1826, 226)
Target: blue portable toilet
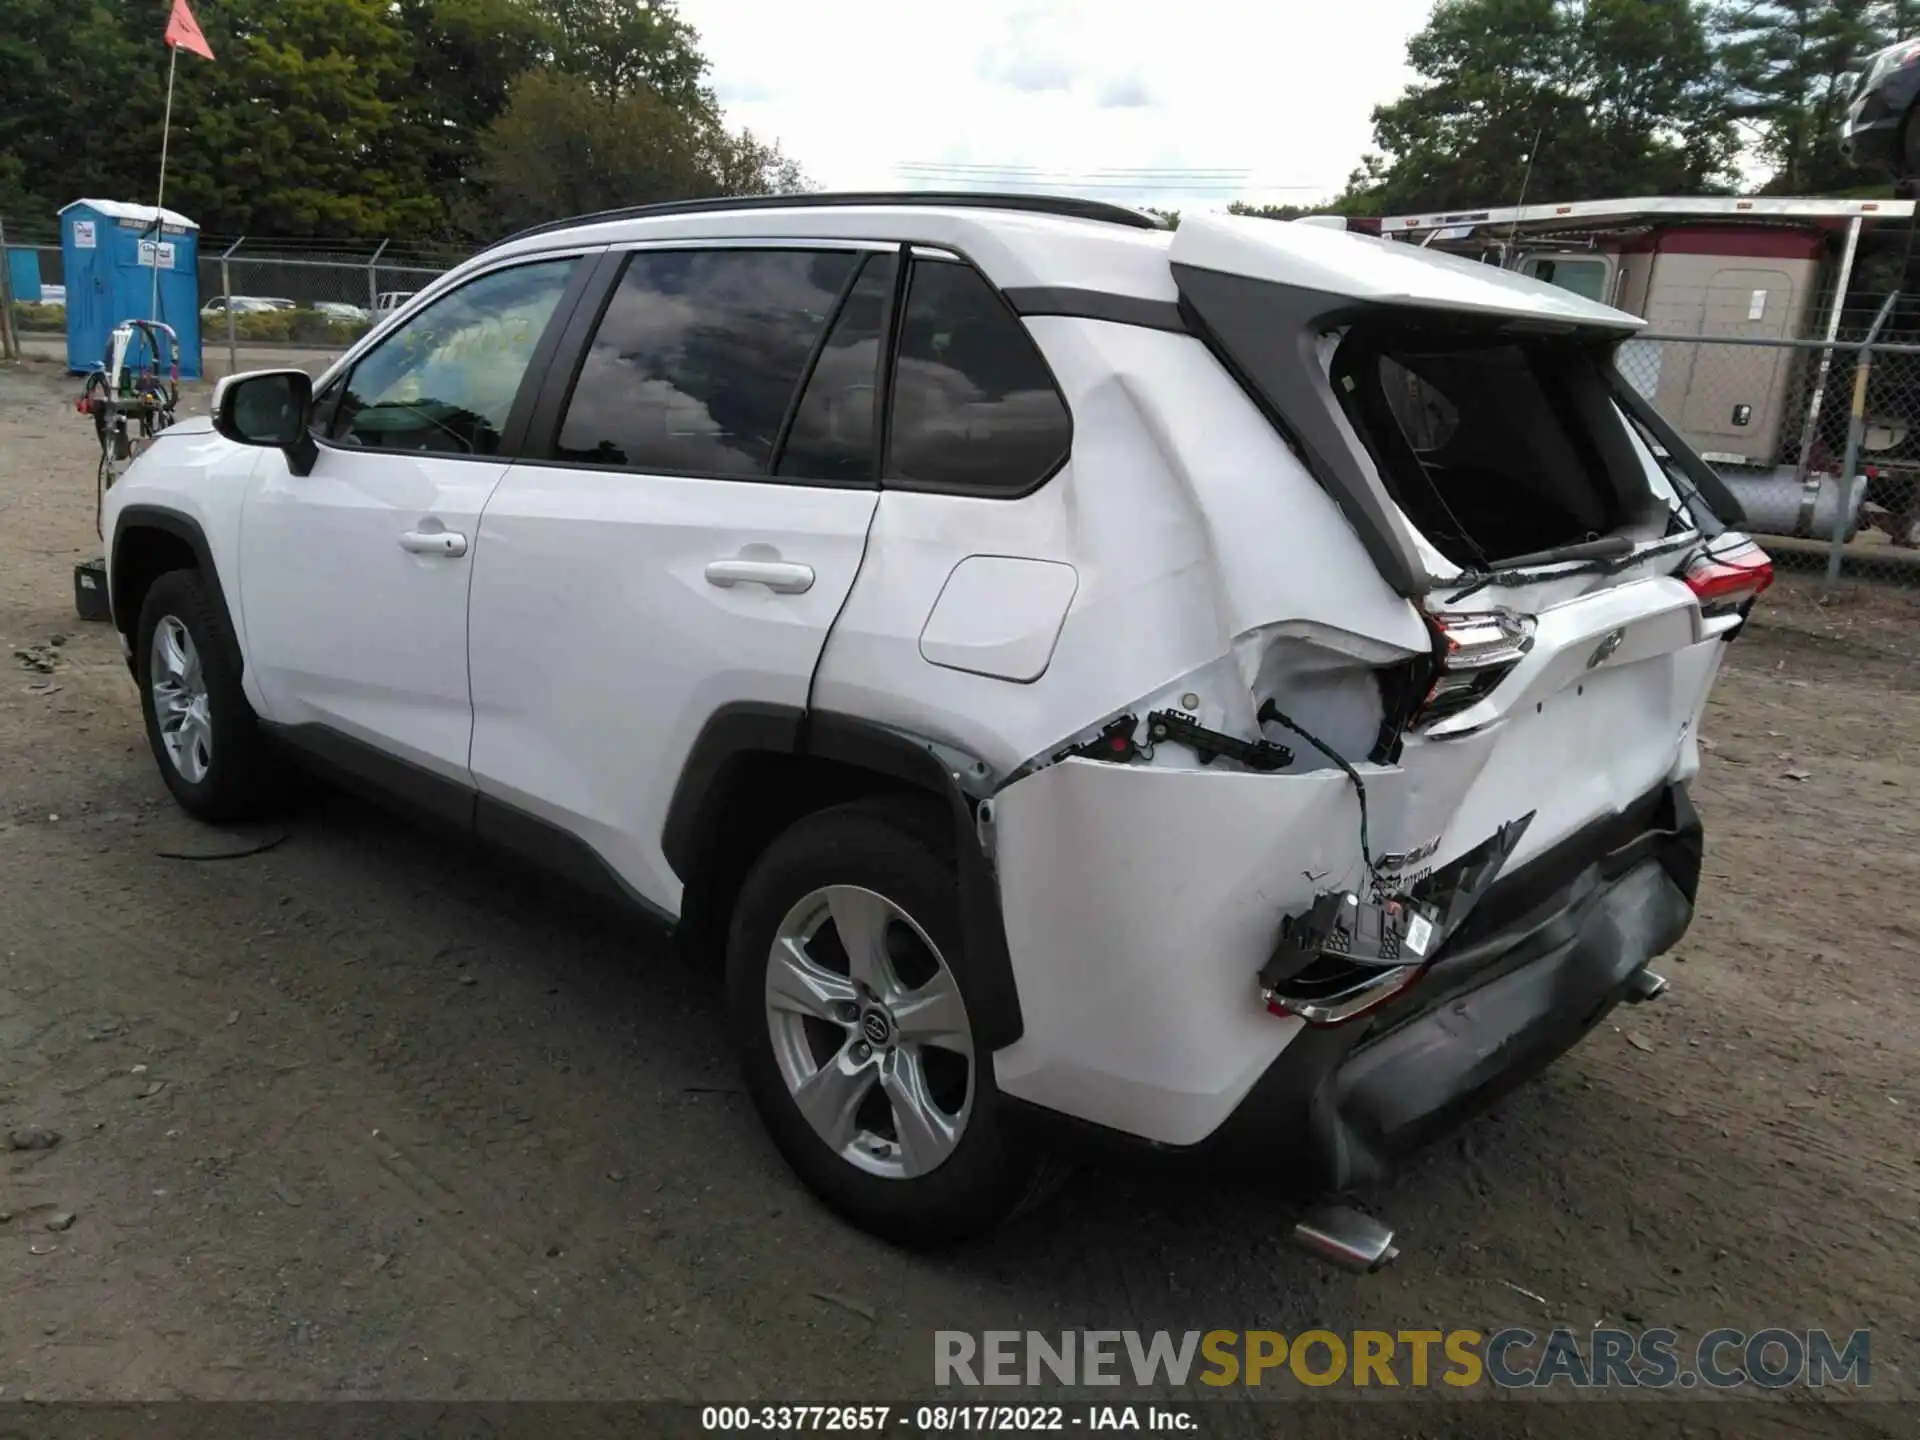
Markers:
point(109, 252)
point(23, 274)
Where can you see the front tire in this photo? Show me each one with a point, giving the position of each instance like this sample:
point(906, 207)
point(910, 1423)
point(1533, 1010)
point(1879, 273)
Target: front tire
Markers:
point(203, 733)
point(848, 1001)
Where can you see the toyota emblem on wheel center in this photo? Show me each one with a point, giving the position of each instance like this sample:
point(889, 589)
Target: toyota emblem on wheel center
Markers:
point(877, 1027)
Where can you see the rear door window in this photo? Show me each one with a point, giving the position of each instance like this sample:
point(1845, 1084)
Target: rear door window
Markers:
point(832, 435)
point(975, 409)
point(697, 360)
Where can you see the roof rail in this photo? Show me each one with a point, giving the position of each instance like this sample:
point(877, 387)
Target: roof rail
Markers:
point(1065, 205)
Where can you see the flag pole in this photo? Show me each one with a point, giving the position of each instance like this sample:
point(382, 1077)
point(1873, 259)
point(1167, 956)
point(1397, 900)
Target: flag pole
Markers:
point(160, 197)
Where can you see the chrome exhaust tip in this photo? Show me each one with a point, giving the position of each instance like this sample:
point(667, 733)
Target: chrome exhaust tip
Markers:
point(1343, 1236)
point(1644, 985)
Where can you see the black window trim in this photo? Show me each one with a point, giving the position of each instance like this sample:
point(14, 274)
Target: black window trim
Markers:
point(889, 360)
point(1117, 309)
point(550, 407)
point(923, 254)
point(513, 435)
point(794, 401)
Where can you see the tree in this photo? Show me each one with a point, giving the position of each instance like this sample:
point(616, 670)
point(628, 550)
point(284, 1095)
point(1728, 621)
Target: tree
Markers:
point(1570, 99)
point(564, 147)
point(1788, 62)
point(282, 134)
point(1274, 212)
point(464, 57)
point(365, 118)
point(623, 46)
point(57, 63)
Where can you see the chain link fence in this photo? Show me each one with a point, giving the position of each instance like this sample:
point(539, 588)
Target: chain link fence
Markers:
point(263, 302)
point(303, 295)
point(1818, 437)
point(1812, 417)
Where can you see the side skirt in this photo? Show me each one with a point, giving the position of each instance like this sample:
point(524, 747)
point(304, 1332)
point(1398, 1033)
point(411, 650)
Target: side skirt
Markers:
point(418, 793)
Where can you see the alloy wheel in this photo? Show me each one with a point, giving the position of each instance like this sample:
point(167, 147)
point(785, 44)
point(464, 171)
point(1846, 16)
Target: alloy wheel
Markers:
point(870, 1032)
point(180, 702)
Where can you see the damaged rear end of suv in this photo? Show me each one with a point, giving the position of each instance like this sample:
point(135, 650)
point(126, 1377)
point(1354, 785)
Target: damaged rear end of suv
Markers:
point(1431, 604)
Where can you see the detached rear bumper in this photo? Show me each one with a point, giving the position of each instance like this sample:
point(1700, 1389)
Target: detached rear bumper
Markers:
point(1543, 958)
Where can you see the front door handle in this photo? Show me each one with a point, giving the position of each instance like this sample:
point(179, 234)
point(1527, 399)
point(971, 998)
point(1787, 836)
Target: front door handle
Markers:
point(779, 576)
point(449, 543)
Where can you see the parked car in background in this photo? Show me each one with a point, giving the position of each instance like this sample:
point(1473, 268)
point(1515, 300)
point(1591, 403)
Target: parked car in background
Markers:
point(1230, 692)
point(390, 300)
point(245, 304)
point(53, 294)
point(341, 310)
point(1879, 131)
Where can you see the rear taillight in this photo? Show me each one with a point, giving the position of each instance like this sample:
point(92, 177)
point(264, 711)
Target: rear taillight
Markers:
point(1472, 654)
point(1727, 580)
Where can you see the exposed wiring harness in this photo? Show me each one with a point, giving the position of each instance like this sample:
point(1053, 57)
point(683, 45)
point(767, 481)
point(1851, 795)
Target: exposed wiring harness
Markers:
point(1271, 713)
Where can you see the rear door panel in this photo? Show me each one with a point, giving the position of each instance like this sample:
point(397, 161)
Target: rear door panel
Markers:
point(600, 649)
point(615, 607)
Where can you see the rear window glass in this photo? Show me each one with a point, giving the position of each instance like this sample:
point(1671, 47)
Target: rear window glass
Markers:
point(1493, 448)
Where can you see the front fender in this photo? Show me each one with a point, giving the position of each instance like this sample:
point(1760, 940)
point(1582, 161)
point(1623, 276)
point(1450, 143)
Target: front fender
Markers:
point(191, 485)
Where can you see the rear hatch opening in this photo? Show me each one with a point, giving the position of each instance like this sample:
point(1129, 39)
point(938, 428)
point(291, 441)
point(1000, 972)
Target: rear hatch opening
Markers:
point(1494, 446)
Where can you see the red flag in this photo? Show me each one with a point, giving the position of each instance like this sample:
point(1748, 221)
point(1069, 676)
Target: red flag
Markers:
point(183, 31)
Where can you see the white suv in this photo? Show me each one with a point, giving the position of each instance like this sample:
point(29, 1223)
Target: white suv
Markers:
point(1231, 691)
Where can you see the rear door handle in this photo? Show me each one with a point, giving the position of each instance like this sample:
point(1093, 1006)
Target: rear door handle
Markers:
point(777, 575)
point(434, 542)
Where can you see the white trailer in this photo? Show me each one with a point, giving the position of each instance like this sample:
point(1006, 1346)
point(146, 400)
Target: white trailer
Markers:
point(1769, 279)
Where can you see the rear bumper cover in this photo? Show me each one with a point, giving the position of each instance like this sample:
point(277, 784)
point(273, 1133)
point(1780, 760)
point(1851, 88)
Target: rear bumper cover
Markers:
point(1547, 954)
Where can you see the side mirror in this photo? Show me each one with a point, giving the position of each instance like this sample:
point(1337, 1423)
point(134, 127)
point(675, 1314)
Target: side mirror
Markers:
point(268, 408)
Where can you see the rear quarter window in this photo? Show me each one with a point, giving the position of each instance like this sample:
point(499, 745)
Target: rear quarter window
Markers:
point(975, 409)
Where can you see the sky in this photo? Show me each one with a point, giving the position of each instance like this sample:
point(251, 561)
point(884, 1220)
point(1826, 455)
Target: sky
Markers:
point(1180, 104)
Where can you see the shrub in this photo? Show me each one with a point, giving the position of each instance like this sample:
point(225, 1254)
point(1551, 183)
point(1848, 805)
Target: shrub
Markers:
point(298, 327)
point(259, 325)
point(40, 317)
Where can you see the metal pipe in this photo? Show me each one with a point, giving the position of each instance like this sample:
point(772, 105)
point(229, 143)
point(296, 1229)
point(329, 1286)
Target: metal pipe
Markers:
point(1645, 986)
point(226, 285)
point(1856, 428)
point(1343, 1236)
point(9, 340)
point(373, 282)
point(1777, 504)
point(1841, 281)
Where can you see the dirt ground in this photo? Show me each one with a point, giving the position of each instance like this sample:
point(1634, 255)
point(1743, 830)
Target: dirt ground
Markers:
point(369, 1115)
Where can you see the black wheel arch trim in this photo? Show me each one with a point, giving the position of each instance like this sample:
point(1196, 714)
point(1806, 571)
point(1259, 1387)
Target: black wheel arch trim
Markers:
point(737, 731)
point(126, 615)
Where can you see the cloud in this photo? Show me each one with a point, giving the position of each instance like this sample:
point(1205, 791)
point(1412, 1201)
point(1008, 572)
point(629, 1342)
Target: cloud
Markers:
point(1030, 73)
point(1124, 92)
point(743, 90)
point(1235, 101)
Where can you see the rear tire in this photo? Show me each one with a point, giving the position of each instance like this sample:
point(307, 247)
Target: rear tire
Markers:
point(203, 733)
point(860, 1052)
